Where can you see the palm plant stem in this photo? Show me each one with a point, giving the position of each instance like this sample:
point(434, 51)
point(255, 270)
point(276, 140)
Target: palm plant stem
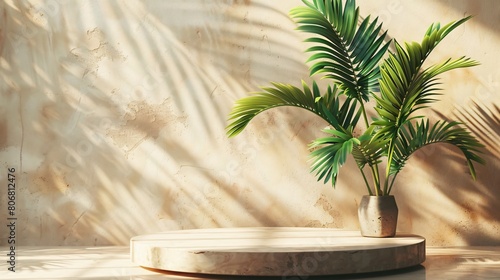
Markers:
point(390, 154)
point(375, 173)
point(373, 168)
point(392, 183)
point(376, 179)
point(366, 182)
point(363, 110)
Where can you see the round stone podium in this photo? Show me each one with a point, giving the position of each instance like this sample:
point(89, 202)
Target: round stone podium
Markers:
point(280, 251)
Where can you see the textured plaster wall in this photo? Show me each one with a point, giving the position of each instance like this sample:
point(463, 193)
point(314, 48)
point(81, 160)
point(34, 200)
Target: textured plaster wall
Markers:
point(113, 114)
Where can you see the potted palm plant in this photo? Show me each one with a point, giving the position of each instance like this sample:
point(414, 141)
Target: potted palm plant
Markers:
point(366, 69)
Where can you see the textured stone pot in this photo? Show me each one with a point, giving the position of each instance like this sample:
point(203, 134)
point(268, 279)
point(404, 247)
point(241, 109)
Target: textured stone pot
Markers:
point(378, 216)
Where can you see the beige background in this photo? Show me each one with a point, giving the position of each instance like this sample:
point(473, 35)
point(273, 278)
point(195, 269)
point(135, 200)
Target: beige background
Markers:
point(113, 114)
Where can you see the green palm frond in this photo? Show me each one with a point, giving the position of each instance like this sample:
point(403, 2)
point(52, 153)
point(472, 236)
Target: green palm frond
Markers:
point(411, 138)
point(331, 154)
point(369, 151)
point(405, 87)
point(345, 52)
point(328, 106)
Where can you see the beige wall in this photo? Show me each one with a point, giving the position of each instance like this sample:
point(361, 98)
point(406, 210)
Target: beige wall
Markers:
point(113, 114)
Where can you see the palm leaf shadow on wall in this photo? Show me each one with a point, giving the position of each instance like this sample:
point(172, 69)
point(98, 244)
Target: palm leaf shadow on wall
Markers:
point(97, 85)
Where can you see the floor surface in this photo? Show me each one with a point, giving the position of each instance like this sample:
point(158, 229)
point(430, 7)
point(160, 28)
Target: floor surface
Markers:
point(114, 263)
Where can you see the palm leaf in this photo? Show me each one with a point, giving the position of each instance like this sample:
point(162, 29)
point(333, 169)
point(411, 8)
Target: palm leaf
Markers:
point(331, 154)
point(413, 137)
point(369, 151)
point(345, 52)
point(405, 87)
point(329, 106)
